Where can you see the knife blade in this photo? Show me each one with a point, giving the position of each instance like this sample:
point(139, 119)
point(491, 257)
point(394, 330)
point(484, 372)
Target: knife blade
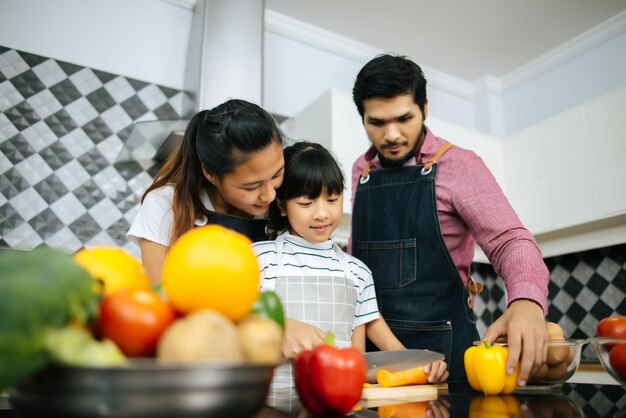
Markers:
point(396, 360)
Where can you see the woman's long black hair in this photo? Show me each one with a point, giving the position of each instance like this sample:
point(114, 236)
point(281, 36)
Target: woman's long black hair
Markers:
point(310, 169)
point(219, 139)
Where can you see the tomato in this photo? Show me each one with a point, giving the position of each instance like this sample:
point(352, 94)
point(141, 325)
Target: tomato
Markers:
point(617, 358)
point(613, 326)
point(134, 320)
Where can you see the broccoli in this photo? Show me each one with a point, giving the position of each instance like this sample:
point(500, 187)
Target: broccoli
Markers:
point(43, 291)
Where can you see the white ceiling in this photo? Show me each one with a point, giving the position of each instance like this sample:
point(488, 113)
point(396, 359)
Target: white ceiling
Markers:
point(464, 38)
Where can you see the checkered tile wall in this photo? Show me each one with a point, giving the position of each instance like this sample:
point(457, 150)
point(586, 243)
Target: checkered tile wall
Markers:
point(62, 127)
point(584, 288)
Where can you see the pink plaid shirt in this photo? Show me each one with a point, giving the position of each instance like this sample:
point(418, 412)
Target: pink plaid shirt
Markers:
point(472, 208)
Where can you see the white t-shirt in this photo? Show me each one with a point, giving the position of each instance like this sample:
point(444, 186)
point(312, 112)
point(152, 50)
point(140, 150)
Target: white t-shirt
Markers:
point(155, 217)
point(304, 258)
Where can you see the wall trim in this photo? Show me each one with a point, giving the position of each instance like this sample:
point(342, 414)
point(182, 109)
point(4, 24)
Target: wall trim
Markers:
point(343, 46)
point(316, 37)
point(567, 51)
point(185, 4)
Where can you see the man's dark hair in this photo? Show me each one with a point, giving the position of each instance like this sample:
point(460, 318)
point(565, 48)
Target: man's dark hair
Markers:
point(389, 76)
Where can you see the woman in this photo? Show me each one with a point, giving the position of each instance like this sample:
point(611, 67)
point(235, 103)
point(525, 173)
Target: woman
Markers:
point(226, 172)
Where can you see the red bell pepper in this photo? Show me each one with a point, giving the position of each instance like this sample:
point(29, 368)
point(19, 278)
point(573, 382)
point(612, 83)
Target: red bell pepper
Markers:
point(330, 379)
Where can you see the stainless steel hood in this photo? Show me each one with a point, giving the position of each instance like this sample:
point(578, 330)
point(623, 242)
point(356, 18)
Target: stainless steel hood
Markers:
point(153, 140)
point(225, 60)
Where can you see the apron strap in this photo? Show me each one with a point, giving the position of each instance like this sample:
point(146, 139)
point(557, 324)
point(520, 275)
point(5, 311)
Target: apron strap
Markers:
point(280, 242)
point(343, 262)
point(365, 175)
point(428, 165)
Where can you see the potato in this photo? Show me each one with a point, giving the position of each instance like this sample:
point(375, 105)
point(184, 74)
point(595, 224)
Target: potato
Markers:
point(557, 372)
point(261, 339)
point(200, 336)
point(557, 353)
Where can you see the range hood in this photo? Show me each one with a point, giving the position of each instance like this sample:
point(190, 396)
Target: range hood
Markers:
point(225, 60)
point(153, 140)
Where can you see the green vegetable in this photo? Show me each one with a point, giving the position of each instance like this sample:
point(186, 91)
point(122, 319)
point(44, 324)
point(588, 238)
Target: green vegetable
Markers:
point(269, 305)
point(76, 346)
point(40, 291)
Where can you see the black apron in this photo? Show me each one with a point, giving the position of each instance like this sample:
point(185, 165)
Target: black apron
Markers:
point(255, 229)
point(396, 232)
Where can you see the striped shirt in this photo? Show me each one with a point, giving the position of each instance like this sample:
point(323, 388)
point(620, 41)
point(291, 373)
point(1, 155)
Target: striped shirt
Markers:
point(303, 258)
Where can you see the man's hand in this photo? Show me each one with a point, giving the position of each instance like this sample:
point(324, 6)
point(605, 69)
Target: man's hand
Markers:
point(525, 328)
point(300, 336)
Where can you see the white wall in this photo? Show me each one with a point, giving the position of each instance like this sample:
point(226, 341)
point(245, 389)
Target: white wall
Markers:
point(142, 39)
point(571, 168)
point(296, 74)
point(304, 62)
point(580, 79)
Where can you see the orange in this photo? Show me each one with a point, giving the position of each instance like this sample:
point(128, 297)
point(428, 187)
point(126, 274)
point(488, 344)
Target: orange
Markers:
point(212, 267)
point(115, 267)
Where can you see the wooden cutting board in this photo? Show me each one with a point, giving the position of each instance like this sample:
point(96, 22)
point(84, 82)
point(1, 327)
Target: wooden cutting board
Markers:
point(410, 393)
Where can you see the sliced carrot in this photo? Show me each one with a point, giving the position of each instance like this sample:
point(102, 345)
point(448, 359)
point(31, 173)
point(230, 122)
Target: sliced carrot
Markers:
point(414, 376)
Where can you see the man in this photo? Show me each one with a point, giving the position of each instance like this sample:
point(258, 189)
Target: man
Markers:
point(419, 205)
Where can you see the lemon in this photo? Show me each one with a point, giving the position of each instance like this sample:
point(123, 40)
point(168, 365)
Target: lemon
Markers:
point(114, 267)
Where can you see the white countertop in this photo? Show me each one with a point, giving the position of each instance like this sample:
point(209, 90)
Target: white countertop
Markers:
point(592, 373)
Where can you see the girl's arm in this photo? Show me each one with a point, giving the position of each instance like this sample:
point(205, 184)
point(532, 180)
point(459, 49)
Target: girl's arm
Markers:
point(358, 338)
point(152, 258)
point(300, 336)
point(381, 335)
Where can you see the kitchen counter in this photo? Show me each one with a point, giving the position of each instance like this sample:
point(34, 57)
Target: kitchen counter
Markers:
point(592, 373)
point(572, 400)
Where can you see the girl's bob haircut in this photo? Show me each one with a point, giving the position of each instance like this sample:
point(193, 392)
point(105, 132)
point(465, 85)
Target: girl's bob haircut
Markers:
point(310, 169)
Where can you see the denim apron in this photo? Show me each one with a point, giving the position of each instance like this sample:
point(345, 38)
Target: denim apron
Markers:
point(420, 293)
point(255, 229)
point(327, 302)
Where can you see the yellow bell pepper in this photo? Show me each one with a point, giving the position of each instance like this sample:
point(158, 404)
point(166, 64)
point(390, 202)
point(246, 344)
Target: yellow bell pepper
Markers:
point(494, 406)
point(485, 366)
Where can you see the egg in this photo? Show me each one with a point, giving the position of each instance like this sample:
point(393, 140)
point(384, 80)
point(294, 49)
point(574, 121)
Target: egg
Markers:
point(557, 352)
point(557, 372)
point(555, 332)
point(540, 373)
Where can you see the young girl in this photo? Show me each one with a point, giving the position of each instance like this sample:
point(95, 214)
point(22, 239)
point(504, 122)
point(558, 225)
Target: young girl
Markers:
point(226, 171)
point(318, 283)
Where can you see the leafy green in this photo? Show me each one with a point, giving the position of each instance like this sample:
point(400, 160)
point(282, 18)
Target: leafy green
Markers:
point(40, 290)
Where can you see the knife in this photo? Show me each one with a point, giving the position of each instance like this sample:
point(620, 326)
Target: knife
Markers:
point(396, 360)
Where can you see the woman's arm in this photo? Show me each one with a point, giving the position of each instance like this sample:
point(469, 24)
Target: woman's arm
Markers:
point(381, 335)
point(358, 338)
point(153, 257)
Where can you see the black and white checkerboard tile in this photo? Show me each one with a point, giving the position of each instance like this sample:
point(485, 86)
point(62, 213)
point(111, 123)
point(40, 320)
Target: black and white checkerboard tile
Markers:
point(584, 288)
point(62, 127)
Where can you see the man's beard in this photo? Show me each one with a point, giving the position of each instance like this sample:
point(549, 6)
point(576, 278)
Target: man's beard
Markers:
point(398, 162)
